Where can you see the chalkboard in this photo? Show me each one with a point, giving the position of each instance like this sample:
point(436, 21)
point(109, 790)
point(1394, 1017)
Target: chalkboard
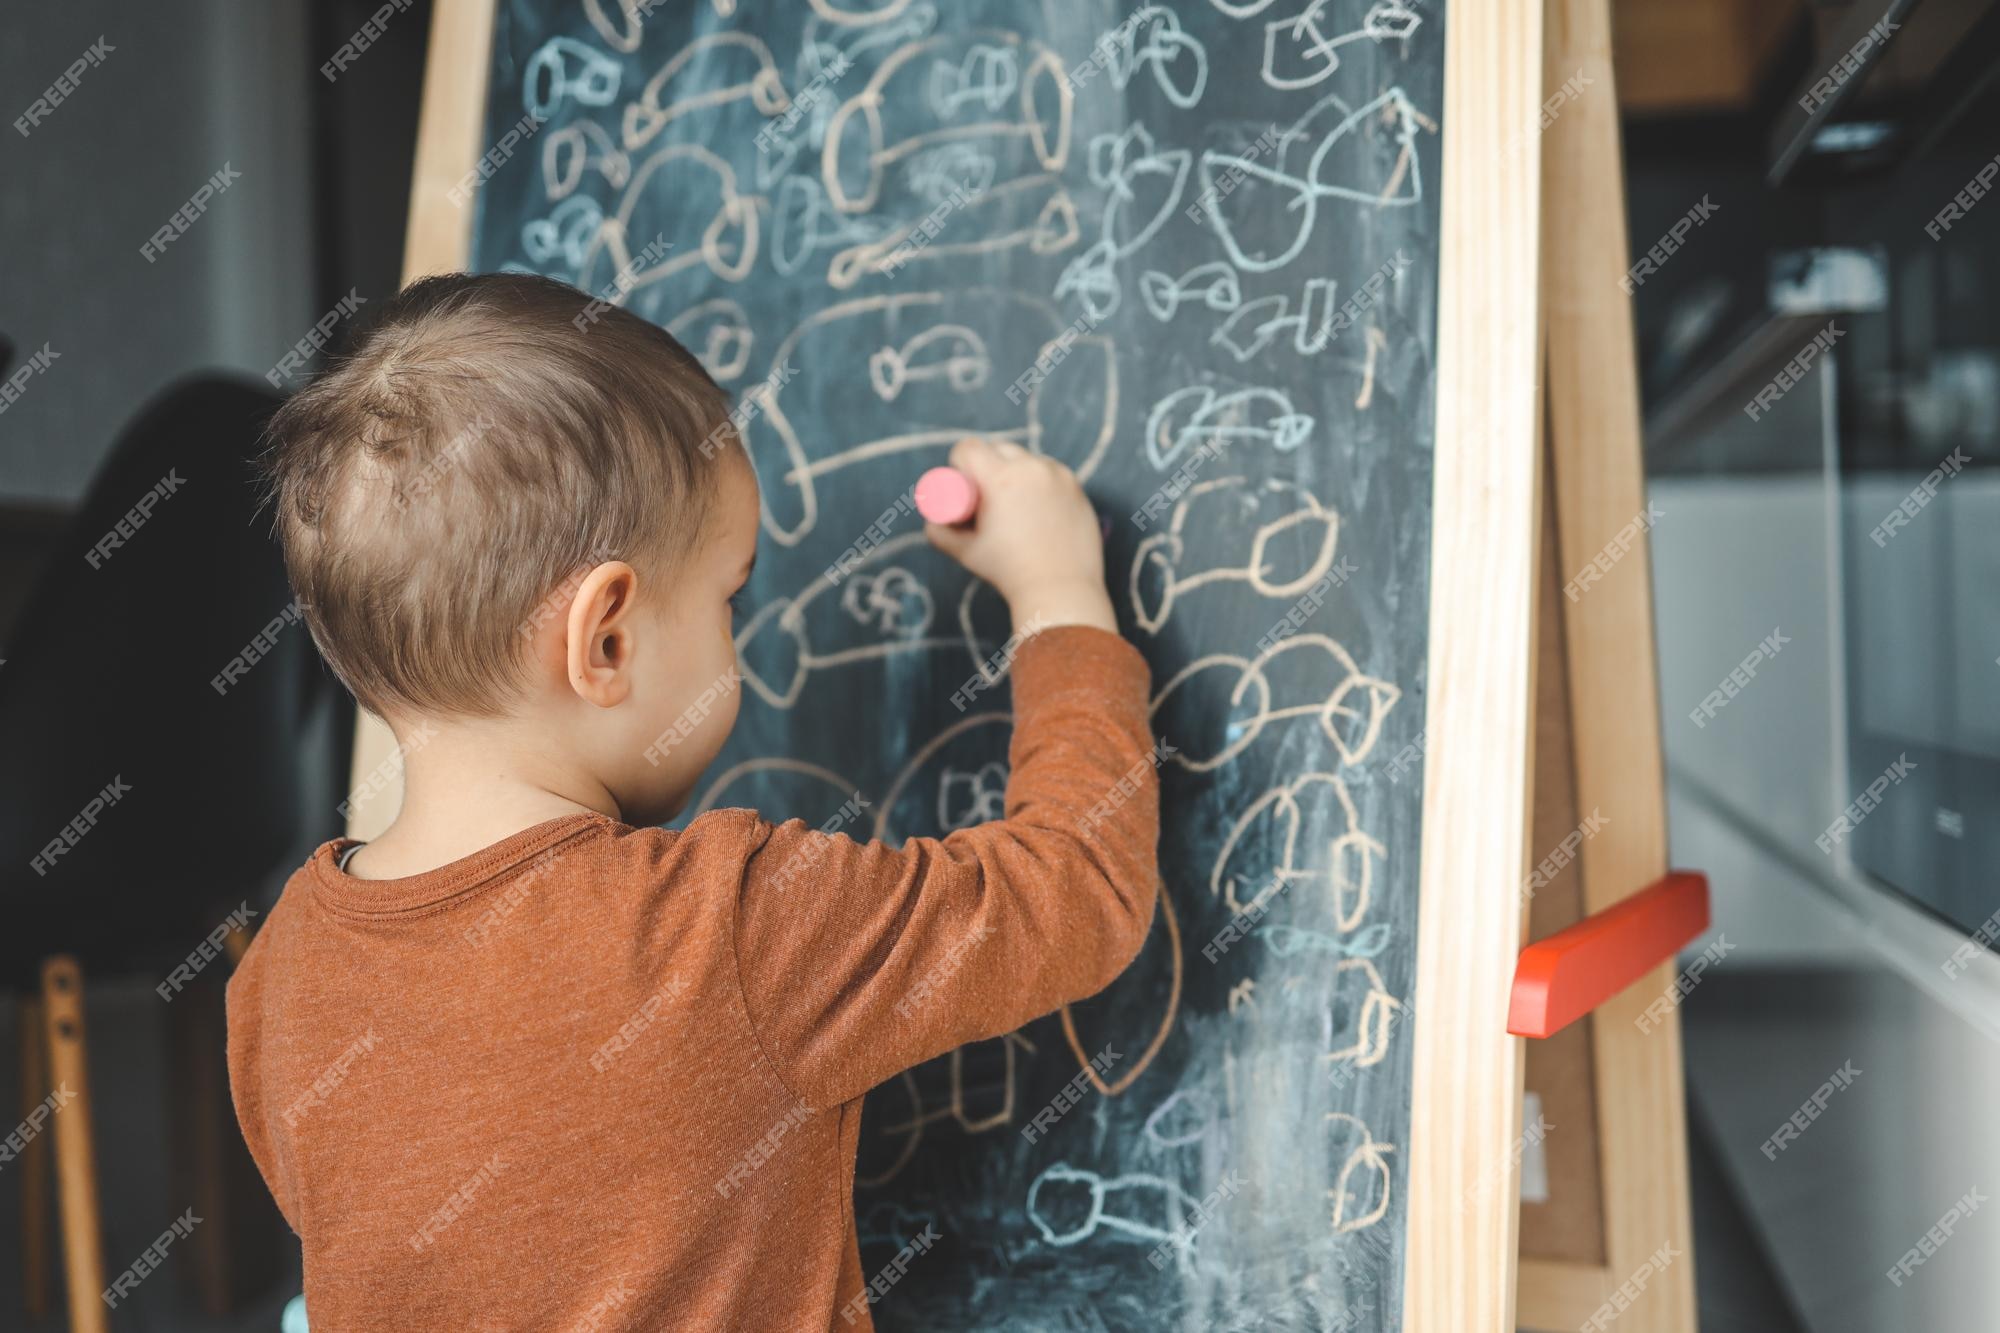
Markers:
point(1191, 249)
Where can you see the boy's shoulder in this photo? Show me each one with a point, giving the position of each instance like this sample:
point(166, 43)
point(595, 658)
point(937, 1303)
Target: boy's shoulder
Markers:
point(593, 866)
point(613, 854)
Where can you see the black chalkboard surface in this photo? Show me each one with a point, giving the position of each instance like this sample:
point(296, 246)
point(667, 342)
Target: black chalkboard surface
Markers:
point(1191, 249)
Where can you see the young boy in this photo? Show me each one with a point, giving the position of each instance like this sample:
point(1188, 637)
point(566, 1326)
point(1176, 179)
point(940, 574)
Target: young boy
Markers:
point(525, 1061)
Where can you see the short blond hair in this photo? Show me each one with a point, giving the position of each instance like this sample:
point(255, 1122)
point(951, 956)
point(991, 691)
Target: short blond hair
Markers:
point(483, 441)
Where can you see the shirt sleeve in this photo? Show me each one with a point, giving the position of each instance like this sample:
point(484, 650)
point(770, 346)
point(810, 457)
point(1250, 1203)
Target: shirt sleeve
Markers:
point(858, 959)
point(244, 1001)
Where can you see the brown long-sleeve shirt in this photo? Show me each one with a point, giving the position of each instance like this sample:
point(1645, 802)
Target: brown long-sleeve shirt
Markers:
point(604, 1077)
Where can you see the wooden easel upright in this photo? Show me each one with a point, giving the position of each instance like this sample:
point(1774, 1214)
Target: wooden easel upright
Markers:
point(1555, 698)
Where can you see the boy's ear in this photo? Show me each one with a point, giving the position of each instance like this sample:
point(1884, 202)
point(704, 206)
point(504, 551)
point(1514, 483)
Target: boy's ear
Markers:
point(600, 641)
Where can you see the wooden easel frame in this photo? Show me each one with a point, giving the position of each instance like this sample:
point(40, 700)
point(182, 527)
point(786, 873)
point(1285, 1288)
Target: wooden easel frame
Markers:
point(1534, 247)
point(1533, 225)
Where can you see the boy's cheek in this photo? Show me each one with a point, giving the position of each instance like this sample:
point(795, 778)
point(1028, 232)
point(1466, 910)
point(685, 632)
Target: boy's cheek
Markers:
point(725, 723)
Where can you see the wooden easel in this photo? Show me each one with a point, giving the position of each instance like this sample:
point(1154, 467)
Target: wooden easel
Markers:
point(1539, 707)
point(1537, 693)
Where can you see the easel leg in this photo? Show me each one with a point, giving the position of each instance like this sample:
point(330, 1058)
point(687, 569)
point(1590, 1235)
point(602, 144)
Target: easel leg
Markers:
point(1461, 1240)
point(1602, 518)
point(76, 1159)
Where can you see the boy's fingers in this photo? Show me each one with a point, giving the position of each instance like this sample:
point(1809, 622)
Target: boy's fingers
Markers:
point(985, 459)
point(974, 455)
point(952, 540)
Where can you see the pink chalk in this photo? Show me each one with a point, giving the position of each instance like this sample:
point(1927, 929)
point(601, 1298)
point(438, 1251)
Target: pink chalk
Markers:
point(946, 495)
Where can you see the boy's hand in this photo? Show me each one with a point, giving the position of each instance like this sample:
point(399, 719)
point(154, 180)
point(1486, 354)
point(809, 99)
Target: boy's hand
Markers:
point(1035, 537)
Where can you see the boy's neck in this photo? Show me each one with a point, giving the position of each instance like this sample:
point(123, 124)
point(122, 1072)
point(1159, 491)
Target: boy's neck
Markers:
point(469, 784)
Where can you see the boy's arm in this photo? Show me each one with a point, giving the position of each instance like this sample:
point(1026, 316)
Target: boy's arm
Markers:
point(859, 960)
point(244, 1021)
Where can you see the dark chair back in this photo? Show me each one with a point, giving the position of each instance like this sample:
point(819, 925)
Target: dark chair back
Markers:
point(152, 698)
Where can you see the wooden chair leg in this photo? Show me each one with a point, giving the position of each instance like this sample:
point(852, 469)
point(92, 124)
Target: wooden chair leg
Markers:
point(34, 1160)
point(76, 1156)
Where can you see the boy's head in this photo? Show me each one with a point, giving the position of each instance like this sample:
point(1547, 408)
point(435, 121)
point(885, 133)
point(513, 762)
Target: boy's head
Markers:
point(503, 502)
